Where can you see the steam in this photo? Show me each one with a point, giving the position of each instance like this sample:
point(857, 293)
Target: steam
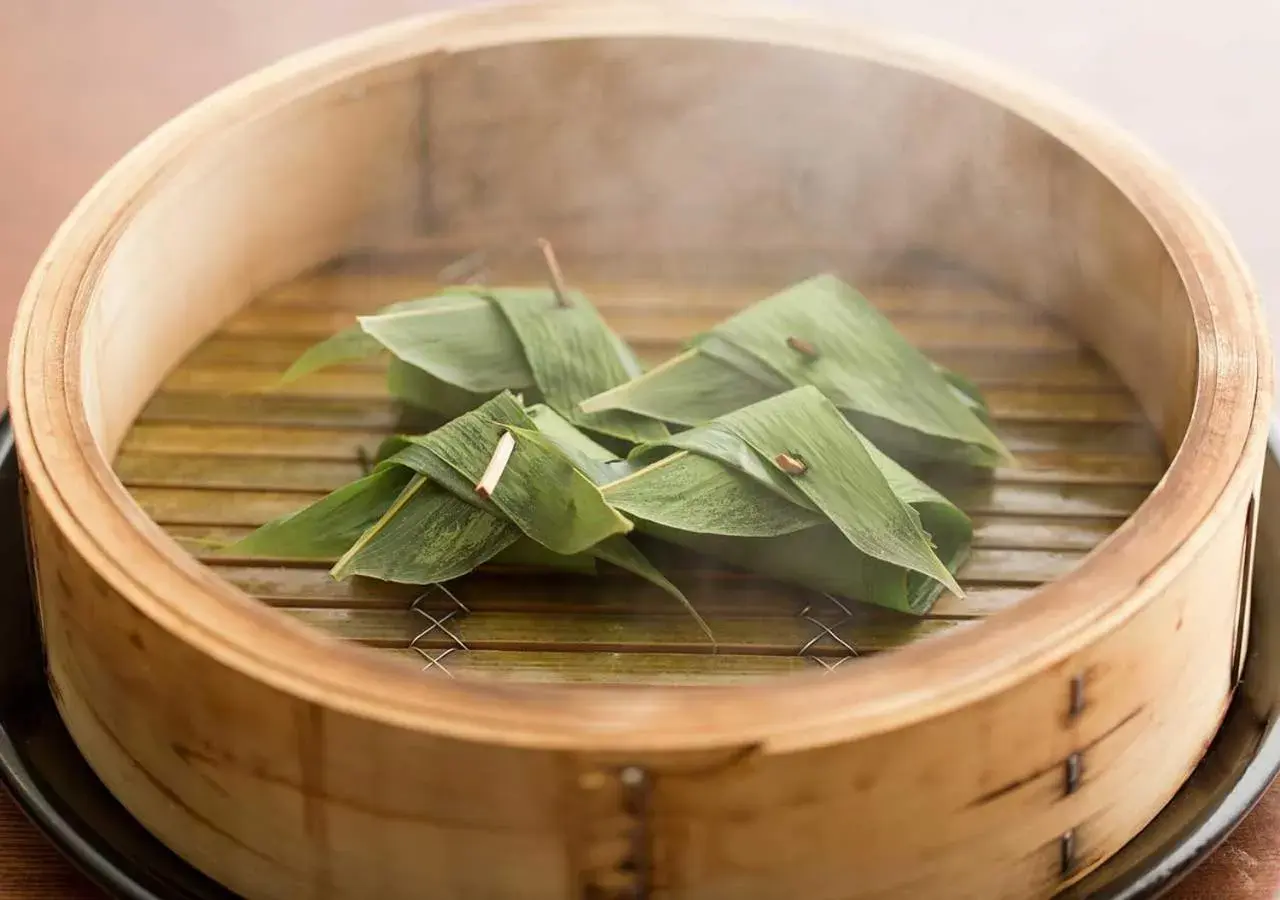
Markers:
point(670, 146)
point(689, 159)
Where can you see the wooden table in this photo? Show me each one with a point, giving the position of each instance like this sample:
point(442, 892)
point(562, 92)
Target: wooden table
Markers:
point(79, 84)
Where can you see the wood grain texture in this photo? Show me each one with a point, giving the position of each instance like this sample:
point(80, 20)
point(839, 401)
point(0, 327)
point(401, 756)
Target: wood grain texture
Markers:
point(1247, 867)
point(30, 869)
point(308, 743)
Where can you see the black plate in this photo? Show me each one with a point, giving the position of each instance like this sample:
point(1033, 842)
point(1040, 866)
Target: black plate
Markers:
point(50, 780)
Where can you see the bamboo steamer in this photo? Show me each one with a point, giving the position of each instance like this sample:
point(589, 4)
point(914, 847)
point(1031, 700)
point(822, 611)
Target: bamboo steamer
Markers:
point(707, 146)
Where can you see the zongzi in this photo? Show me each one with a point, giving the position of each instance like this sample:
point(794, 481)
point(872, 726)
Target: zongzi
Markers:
point(789, 488)
point(418, 518)
point(820, 332)
point(455, 349)
point(786, 487)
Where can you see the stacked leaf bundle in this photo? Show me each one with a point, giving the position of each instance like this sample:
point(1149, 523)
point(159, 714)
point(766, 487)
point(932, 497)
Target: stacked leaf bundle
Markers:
point(779, 442)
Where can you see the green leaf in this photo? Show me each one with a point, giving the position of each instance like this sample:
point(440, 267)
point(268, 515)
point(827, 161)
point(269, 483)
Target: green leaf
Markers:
point(622, 553)
point(842, 480)
point(427, 536)
point(950, 530)
point(325, 529)
point(601, 466)
point(348, 345)
point(421, 459)
point(709, 489)
point(889, 390)
point(541, 492)
point(856, 523)
point(689, 389)
point(453, 350)
point(862, 363)
point(818, 558)
point(526, 552)
point(423, 390)
point(596, 462)
point(417, 518)
point(715, 347)
point(700, 495)
point(965, 389)
point(718, 441)
point(463, 341)
point(570, 514)
point(573, 354)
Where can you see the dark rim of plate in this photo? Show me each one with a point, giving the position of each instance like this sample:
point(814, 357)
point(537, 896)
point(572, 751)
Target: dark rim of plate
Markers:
point(55, 787)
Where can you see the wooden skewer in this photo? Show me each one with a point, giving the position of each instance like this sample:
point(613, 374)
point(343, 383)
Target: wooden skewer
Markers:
point(790, 464)
point(488, 482)
point(553, 269)
point(803, 347)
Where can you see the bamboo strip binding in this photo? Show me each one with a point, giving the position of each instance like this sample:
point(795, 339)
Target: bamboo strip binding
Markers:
point(1030, 747)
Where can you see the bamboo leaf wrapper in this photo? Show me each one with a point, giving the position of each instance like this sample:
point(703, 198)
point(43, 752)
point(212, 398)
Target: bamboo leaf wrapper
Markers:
point(822, 333)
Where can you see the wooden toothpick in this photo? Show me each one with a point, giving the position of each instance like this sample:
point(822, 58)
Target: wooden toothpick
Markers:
point(803, 347)
point(488, 482)
point(553, 269)
point(790, 464)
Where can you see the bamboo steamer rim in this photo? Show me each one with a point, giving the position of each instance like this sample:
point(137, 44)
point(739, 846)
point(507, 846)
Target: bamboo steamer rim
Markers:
point(99, 519)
